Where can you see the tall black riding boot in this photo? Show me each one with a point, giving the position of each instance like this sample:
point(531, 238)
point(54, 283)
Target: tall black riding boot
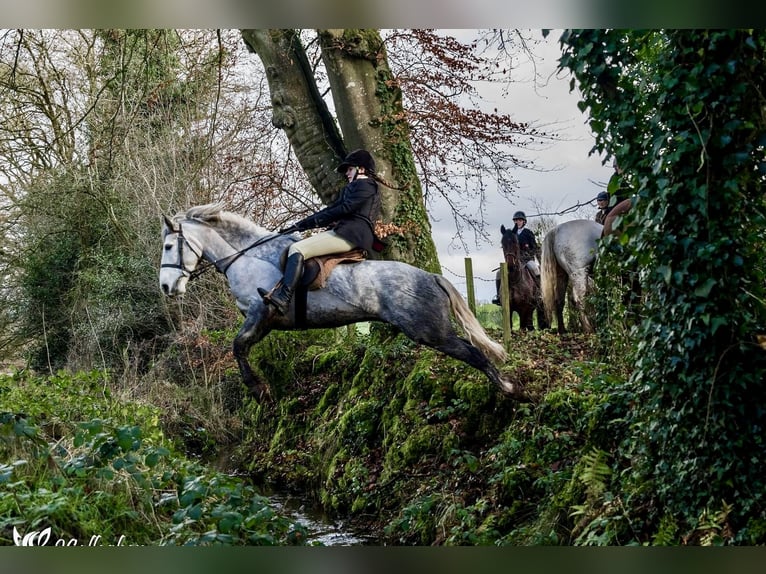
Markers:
point(280, 299)
point(496, 300)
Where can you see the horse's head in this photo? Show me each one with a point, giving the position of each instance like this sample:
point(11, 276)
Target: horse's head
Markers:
point(510, 244)
point(180, 256)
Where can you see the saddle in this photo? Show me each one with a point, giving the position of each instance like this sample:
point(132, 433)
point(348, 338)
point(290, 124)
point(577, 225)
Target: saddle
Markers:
point(317, 270)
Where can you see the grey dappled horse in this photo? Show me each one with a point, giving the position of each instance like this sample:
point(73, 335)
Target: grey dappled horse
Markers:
point(568, 253)
point(415, 301)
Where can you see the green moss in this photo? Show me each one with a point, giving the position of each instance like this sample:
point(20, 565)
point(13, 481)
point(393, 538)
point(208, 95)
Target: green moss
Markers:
point(421, 382)
point(329, 398)
point(476, 394)
point(358, 424)
point(413, 408)
point(333, 471)
point(348, 488)
point(391, 413)
point(426, 440)
point(326, 359)
point(360, 504)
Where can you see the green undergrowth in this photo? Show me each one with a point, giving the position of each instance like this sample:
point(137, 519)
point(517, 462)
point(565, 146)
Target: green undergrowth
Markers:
point(397, 440)
point(424, 450)
point(78, 466)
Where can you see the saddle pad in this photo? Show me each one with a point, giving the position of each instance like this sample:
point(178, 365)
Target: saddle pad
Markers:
point(327, 263)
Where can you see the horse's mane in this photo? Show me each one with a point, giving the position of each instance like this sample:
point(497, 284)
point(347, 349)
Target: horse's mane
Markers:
point(213, 214)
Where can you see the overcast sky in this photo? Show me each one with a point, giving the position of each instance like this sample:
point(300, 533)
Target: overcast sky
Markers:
point(571, 179)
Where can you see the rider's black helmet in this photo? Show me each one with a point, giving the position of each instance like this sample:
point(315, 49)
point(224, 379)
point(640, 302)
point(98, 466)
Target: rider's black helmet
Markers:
point(519, 215)
point(602, 195)
point(358, 158)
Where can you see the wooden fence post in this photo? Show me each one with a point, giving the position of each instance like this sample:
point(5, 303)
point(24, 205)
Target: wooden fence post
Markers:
point(470, 285)
point(505, 302)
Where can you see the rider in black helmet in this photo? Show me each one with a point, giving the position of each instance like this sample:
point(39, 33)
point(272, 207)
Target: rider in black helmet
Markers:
point(527, 243)
point(353, 214)
point(602, 199)
point(527, 251)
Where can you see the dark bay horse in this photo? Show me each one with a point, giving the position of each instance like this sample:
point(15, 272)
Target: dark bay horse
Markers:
point(617, 211)
point(524, 291)
point(417, 302)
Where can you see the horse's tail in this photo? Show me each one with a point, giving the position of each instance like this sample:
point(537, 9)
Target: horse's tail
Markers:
point(470, 324)
point(549, 283)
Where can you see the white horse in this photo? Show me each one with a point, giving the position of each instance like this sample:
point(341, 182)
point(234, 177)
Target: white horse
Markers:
point(417, 302)
point(568, 253)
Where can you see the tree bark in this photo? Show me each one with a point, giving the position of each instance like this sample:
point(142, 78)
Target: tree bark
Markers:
point(368, 105)
point(299, 109)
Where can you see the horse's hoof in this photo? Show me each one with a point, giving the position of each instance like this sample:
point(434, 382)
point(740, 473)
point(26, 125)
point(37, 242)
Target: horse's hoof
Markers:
point(261, 393)
point(514, 391)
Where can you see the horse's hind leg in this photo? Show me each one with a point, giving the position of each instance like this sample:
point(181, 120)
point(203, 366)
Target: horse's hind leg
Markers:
point(562, 281)
point(253, 330)
point(539, 310)
point(580, 289)
point(526, 315)
point(443, 338)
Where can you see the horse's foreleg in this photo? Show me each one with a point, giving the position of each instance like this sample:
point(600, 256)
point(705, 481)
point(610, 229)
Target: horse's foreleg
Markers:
point(253, 330)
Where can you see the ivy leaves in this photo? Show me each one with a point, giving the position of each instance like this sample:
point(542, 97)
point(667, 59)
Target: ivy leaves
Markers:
point(682, 112)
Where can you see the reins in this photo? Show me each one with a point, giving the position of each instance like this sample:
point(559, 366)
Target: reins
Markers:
point(241, 252)
point(202, 268)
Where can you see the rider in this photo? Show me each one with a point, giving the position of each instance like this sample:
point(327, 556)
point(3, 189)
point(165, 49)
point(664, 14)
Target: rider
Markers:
point(527, 251)
point(352, 217)
point(602, 199)
point(527, 245)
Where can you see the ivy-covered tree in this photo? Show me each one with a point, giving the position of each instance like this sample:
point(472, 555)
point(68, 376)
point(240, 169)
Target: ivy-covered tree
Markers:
point(683, 113)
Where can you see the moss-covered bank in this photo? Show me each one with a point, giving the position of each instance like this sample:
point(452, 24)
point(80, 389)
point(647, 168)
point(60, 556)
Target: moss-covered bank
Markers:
point(403, 442)
point(423, 450)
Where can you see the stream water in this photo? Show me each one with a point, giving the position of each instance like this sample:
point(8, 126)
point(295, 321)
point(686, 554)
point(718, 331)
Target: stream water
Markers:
point(321, 529)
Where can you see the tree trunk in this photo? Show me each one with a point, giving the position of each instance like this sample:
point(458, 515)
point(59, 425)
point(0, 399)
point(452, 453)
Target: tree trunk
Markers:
point(299, 109)
point(368, 104)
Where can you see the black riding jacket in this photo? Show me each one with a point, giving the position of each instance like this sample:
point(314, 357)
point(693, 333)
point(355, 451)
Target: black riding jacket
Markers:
point(602, 213)
point(527, 244)
point(354, 213)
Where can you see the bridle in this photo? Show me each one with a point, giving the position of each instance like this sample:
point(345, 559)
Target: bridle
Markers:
point(515, 267)
point(221, 265)
point(181, 241)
